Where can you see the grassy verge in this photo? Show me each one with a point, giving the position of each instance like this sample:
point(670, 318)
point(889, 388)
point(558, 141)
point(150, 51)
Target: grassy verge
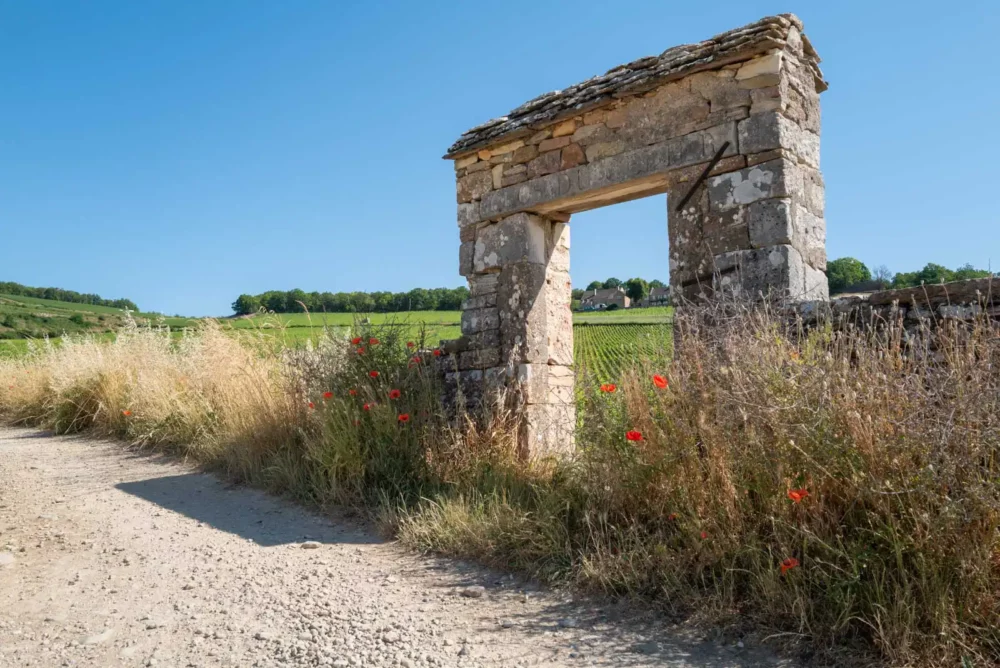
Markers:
point(839, 490)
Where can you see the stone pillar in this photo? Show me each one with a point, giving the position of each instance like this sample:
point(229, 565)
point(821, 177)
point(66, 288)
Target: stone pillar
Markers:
point(757, 226)
point(517, 325)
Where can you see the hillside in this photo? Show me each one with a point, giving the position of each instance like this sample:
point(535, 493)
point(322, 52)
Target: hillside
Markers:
point(23, 318)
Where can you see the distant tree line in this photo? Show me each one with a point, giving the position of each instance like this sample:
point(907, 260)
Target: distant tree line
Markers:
point(848, 274)
point(58, 294)
point(298, 301)
point(635, 288)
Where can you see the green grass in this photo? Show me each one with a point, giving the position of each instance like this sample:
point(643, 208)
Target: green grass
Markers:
point(601, 351)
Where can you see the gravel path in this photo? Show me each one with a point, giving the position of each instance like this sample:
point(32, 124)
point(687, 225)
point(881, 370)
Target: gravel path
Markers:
point(117, 558)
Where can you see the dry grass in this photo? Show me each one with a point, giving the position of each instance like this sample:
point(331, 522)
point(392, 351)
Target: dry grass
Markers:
point(896, 543)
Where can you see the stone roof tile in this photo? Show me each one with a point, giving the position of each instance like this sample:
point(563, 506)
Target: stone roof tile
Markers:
point(638, 76)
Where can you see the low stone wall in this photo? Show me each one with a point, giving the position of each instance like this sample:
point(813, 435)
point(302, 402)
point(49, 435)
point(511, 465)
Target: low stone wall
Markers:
point(924, 308)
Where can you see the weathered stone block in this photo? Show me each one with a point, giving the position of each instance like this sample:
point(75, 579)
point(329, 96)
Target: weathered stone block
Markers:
point(548, 430)
point(474, 186)
point(586, 135)
point(480, 320)
point(479, 166)
point(557, 249)
point(564, 128)
point(763, 181)
point(525, 153)
point(771, 130)
point(546, 163)
point(604, 149)
point(497, 173)
point(546, 384)
point(810, 237)
point(536, 324)
point(724, 231)
point(465, 252)
point(770, 222)
point(462, 163)
point(572, 156)
point(482, 284)
point(762, 67)
point(489, 338)
point(554, 143)
point(778, 271)
point(468, 214)
point(517, 238)
point(479, 359)
point(481, 301)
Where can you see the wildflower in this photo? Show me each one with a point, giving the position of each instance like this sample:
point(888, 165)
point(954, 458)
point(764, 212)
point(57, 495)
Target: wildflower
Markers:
point(608, 387)
point(788, 564)
point(356, 340)
point(633, 435)
point(704, 535)
point(367, 407)
point(404, 417)
point(410, 344)
point(353, 393)
point(373, 374)
point(659, 381)
point(796, 495)
point(672, 517)
point(360, 351)
point(794, 355)
point(373, 341)
point(126, 412)
point(312, 405)
point(437, 353)
point(327, 395)
point(394, 394)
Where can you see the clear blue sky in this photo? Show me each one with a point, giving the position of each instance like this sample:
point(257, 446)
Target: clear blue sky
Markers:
point(180, 153)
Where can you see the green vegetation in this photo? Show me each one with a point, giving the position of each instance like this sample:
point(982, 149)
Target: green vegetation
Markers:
point(60, 295)
point(298, 301)
point(834, 491)
point(603, 352)
point(848, 274)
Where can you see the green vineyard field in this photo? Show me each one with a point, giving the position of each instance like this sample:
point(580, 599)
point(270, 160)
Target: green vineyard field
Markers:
point(602, 352)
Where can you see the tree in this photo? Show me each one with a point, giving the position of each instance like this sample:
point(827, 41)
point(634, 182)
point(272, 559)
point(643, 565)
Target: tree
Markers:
point(882, 276)
point(656, 283)
point(577, 294)
point(967, 271)
point(611, 283)
point(246, 304)
point(636, 288)
point(845, 272)
point(594, 285)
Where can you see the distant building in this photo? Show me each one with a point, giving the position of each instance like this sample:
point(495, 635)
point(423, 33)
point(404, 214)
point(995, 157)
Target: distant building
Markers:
point(599, 300)
point(656, 297)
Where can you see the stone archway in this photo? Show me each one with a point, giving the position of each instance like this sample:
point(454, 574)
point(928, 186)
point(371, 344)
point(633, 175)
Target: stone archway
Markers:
point(729, 127)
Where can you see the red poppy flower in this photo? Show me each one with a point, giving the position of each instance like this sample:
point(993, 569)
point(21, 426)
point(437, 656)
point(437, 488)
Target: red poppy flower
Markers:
point(410, 344)
point(796, 495)
point(373, 374)
point(395, 394)
point(312, 405)
point(373, 341)
point(788, 564)
point(437, 353)
point(126, 413)
point(356, 340)
point(633, 435)
point(360, 351)
point(353, 393)
point(367, 407)
point(404, 417)
point(416, 359)
point(672, 516)
point(659, 381)
point(704, 535)
point(608, 387)
point(328, 395)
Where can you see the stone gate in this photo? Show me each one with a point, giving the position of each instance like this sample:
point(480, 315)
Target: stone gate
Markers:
point(728, 128)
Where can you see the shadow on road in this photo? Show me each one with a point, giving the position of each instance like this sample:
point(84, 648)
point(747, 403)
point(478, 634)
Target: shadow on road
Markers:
point(250, 514)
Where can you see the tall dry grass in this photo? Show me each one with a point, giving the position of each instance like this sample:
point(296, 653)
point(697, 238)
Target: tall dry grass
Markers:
point(888, 442)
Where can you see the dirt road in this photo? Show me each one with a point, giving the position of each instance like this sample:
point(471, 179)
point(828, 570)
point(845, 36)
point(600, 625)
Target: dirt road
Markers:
point(118, 558)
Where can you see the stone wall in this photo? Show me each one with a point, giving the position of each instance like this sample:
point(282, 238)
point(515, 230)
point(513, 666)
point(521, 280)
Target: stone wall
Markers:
point(749, 97)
